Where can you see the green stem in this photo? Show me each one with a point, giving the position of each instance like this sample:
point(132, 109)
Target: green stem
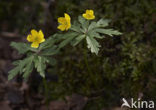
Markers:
point(86, 62)
point(88, 68)
point(45, 90)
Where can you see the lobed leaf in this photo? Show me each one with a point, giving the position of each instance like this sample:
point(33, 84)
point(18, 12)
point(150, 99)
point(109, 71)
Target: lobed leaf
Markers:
point(92, 26)
point(103, 23)
point(50, 51)
point(28, 69)
point(93, 45)
point(78, 39)
point(20, 47)
point(95, 34)
point(13, 72)
point(69, 37)
point(25, 66)
point(84, 23)
point(76, 27)
point(40, 65)
point(48, 43)
point(109, 32)
point(51, 61)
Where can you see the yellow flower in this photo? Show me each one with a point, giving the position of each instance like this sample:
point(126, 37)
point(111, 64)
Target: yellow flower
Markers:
point(36, 38)
point(64, 22)
point(89, 15)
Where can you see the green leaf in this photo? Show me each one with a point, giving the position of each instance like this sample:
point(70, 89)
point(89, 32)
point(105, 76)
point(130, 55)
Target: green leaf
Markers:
point(51, 61)
point(93, 45)
point(78, 39)
point(103, 23)
point(100, 23)
point(25, 62)
point(68, 37)
point(50, 51)
point(109, 32)
point(92, 26)
point(20, 47)
point(24, 65)
point(84, 23)
point(16, 62)
point(81, 20)
point(95, 34)
point(13, 72)
point(28, 69)
point(76, 27)
point(48, 43)
point(40, 64)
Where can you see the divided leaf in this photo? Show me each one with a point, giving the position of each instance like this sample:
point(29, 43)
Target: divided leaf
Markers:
point(50, 51)
point(13, 72)
point(51, 61)
point(103, 23)
point(84, 23)
point(20, 47)
point(93, 45)
point(40, 64)
point(24, 65)
point(81, 20)
point(92, 26)
point(93, 34)
point(77, 40)
point(28, 69)
point(68, 37)
point(76, 27)
point(100, 24)
point(48, 43)
point(109, 32)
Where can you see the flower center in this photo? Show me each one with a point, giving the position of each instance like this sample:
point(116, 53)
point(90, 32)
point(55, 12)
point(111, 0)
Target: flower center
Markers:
point(36, 39)
point(89, 15)
point(65, 23)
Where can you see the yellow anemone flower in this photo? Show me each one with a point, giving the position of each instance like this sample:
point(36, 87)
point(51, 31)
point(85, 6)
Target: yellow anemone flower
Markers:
point(89, 15)
point(36, 38)
point(64, 22)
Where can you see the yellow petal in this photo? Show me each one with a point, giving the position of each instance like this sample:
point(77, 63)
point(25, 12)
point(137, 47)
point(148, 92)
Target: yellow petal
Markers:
point(29, 38)
point(61, 20)
point(64, 22)
point(91, 12)
point(61, 27)
point(67, 17)
point(68, 25)
point(89, 15)
point(42, 40)
point(93, 17)
point(34, 32)
point(41, 35)
point(84, 15)
point(35, 45)
point(87, 11)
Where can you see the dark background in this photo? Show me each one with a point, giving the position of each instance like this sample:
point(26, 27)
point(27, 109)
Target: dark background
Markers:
point(125, 66)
